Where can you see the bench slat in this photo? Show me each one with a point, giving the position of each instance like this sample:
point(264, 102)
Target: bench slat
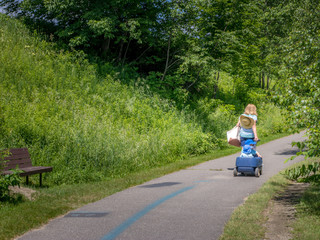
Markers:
point(35, 170)
point(21, 162)
point(18, 150)
point(18, 156)
point(30, 171)
point(13, 165)
point(18, 161)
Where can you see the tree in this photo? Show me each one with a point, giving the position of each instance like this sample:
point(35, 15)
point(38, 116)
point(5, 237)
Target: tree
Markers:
point(97, 26)
point(302, 85)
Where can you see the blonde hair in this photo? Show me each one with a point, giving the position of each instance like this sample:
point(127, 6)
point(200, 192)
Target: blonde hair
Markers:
point(251, 109)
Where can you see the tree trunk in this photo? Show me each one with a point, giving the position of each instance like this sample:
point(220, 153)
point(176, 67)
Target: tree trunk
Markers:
point(260, 77)
point(125, 53)
point(141, 55)
point(268, 82)
point(167, 60)
point(216, 85)
point(105, 46)
point(120, 51)
point(262, 81)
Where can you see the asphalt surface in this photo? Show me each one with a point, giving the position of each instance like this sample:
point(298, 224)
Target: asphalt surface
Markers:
point(194, 203)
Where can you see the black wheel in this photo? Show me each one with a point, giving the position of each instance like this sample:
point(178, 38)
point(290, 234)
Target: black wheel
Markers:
point(235, 172)
point(257, 172)
point(261, 171)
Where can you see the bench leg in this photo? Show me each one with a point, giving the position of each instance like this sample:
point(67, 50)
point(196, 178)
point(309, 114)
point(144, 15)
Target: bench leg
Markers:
point(40, 180)
point(27, 180)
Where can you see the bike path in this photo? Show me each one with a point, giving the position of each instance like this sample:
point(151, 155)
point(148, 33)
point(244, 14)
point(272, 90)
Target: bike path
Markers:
point(191, 204)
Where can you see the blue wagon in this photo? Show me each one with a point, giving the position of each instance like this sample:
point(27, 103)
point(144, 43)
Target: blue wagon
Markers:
point(248, 165)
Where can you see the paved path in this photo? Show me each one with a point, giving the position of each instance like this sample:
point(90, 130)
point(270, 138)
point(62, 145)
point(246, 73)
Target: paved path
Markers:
point(194, 203)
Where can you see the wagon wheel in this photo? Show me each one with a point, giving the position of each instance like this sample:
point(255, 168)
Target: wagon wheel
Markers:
point(235, 172)
point(257, 172)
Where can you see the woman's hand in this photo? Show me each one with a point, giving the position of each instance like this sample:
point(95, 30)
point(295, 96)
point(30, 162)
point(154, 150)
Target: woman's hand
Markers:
point(238, 123)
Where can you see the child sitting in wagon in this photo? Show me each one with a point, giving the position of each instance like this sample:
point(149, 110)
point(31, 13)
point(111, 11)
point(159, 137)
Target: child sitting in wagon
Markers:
point(249, 149)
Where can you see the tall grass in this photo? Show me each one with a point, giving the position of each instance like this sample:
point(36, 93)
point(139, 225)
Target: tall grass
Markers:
point(90, 127)
point(86, 127)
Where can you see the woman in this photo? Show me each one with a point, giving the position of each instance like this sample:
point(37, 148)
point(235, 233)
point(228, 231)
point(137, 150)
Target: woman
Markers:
point(247, 123)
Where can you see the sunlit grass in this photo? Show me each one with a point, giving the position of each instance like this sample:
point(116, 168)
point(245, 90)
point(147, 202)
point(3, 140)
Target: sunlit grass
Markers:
point(247, 221)
point(306, 227)
point(86, 126)
point(21, 216)
point(57, 200)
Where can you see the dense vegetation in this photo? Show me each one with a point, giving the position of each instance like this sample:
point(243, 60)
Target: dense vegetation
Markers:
point(122, 85)
point(85, 126)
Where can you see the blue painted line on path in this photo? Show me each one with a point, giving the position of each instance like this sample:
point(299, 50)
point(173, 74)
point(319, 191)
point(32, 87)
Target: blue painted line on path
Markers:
point(86, 214)
point(126, 224)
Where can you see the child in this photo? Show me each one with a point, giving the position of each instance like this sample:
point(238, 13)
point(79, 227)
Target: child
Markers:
point(249, 149)
point(247, 123)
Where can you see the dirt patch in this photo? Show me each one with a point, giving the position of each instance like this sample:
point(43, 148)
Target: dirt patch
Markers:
point(281, 212)
point(27, 192)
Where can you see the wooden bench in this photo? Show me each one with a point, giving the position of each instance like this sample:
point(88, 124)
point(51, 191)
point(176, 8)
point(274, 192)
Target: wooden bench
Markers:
point(20, 157)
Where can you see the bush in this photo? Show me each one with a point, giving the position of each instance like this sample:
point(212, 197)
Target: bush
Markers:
point(271, 120)
point(7, 180)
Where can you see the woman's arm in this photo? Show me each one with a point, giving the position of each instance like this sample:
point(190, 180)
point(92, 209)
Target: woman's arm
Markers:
point(238, 124)
point(254, 128)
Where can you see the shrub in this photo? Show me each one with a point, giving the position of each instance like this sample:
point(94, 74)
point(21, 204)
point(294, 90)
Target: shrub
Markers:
point(7, 180)
point(271, 120)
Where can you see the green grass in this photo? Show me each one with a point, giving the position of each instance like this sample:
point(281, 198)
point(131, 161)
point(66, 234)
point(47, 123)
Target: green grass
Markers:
point(22, 215)
point(247, 221)
point(306, 227)
point(87, 126)
point(307, 224)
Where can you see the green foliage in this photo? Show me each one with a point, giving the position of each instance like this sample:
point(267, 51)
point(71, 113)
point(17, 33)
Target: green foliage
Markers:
point(184, 72)
point(85, 126)
point(306, 172)
point(271, 120)
point(177, 45)
point(7, 180)
point(217, 119)
point(300, 88)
